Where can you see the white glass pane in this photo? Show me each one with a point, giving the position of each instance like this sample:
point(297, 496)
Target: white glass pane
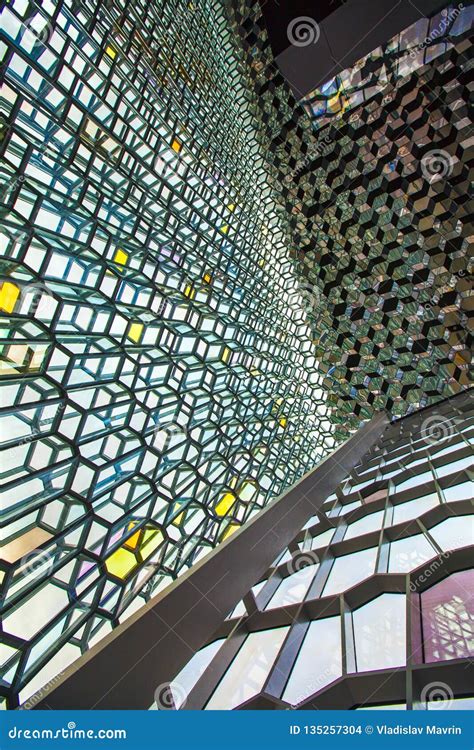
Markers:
point(349, 570)
point(293, 588)
point(463, 491)
point(351, 506)
point(238, 611)
point(318, 662)
point(414, 508)
point(190, 674)
point(379, 633)
point(414, 481)
point(454, 532)
point(455, 467)
point(321, 540)
point(407, 554)
point(249, 670)
point(368, 523)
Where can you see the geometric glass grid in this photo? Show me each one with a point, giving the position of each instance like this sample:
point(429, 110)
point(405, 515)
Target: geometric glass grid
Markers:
point(159, 381)
point(377, 203)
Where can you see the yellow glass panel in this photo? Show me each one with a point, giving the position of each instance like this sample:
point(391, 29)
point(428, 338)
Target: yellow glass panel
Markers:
point(9, 294)
point(231, 206)
point(135, 331)
point(224, 505)
point(121, 563)
point(207, 278)
point(178, 519)
point(176, 146)
point(230, 530)
point(121, 257)
point(283, 422)
point(225, 229)
point(226, 354)
point(190, 291)
point(111, 52)
point(151, 540)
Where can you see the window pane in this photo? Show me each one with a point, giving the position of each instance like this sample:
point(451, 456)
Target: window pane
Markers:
point(454, 532)
point(463, 491)
point(407, 554)
point(349, 570)
point(249, 670)
point(379, 633)
point(371, 522)
point(293, 588)
point(318, 662)
point(414, 508)
point(447, 616)
point(190, 674)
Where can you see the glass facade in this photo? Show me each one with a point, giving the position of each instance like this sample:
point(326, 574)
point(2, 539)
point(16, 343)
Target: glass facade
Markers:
point(159, 383)
point(374, 609)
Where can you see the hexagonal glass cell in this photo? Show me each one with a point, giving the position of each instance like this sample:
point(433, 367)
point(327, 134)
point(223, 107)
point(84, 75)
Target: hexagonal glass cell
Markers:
point(461, 491)
point(249, 670)
point(414, 508)
point(293, 588)
point(319, 660)
point(380, 633)
point(185, 680)
point(371, 522)
point(454, 532)
point(446, 614)
point(349, 570)
point(407, 554)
